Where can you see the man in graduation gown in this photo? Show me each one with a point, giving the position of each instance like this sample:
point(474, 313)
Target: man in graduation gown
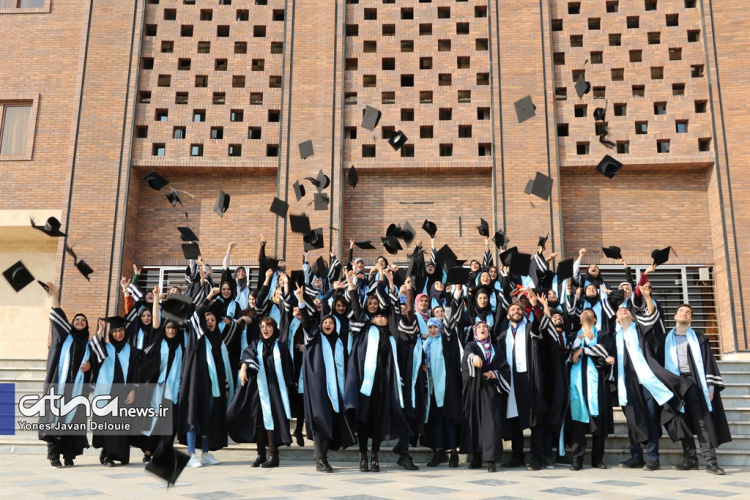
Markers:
point(687, 353)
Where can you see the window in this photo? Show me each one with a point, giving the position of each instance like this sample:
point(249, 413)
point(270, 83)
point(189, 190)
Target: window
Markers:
point(406, 81)
point(243, 15)
point(254, 133)
point(158, 150)
point(621, 109)
point(632, 22)
point(462, 28)
point(657, 73)
point(613, 6)
point(199, 115)
point(576, 40)
point(654, 38)
point(690, 4)
point(558, 58)
point(235, 150)
point(639, 91)
point(407, 115)
point(351, 64)
point(371, 80)
point(463, 62)
point(675, 54)
point(662, 146)
point(181, 98)
point(219, 98)
point(259, 65)
point(278, 15)
point(407, 46)
point(660, 108)
point(562, 130)
point(368, 150)
point(425, 63)
point(206, 15)
point(425, 97)
point(444, 12)
point(704, 144)
point(150, 29)
point(580, 110)
point(183, 64)
point(196, 150)
point(179, 132)
point(165, 80)
point(272, 150)
point(15, 121)
point(236, 115)
point(144, 96)
point(371, 14)
point(600, 92)
point(464, 96)
point(217, 132)
point(141, 131)
point(650, 5)
point(636, 56)
point(480, 11)
point(483, 78)
point(481, 44)
point(561, 93)
point(22, 4)
point(387, 132)
point(205, 47)
point(407, 13)
point(238, 81)
point(389, 30)
point(220, 65)
point(350, 98)
point(425, 29)
point(274, 115)
point(444, 45)
point(256, 98)
point(260, 31)
point(425, 132)
point(701, 106)
point(186, 30)
point(407, 151)
point(597, 57)
point(446, 150)
point(388, 98)
point(678, 89)
point(618, 74)
point(484, 149)
point(167, 47)
point(147, 63)
point(444, 79)
point(595, 23)
point(445, 114)
point(369, 47)
point(222, 31)
point(681, 126)
point(615, 40)
point(574, 7)
point(350, 133)
point(388, 63)
point(557, 25)
point(277, 47)
point(201, 81)
point(464, 131)
point(696, 71)
point(582, 148)
point(673, 20)
point(623, 147)
point(641, 128)
point(693, 36)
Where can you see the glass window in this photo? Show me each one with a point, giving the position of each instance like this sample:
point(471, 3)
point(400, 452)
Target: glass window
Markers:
point(14, 129)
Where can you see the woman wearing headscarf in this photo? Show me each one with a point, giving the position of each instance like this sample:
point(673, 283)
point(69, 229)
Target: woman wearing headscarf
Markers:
point(69, 373)
point(269, 306)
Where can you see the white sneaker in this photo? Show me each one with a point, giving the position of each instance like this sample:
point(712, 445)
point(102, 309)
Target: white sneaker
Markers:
point(208, 459)
point(194, 462)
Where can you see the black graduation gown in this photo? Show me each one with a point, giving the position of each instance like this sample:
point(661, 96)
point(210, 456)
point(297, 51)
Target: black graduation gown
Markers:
point(244, 411)
point(320, 420)
point(603, 424)
point(484, 402)
point(676, 423)
point(60, 329)
point(406, 340)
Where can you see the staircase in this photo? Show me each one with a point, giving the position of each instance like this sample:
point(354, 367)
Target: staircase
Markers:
point(28, 376)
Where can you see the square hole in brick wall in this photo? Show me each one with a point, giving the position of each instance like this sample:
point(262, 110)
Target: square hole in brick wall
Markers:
point(562, 130)
point(407, 115)
point(462, 28)
point(186, 30)
point(696, 71)
point(370, 14)
point(484, 149)
point(179, 132)
point(595, 23)
point(425, 29)
point(650, 5)
point(561, 93)
point(242, 15)
point(632, 22)
point(582, 148)
point(557, 25)
point(444, 45)
point(387, 132)
point(693, 35)
point(483, 78)
point(407, 151)
point(219, 98)
point(446, 150)
point(613, 6)
point(660, 108)
point(576, 40)
point(388, 64)
point(351, 64)
point(199, 115)
point(256, 98)
point(621, 109)
point(407, 13)
point(141, 132)
point(704, 144)
point(580, 110)
point(481, 44)
point(151, 30)
point(170, 14)
point(368, 150)
point(217, 133)
point(444, 79)
point(597, 57)
point(144, 96)
point(371, 81)
point(388, 30)
point(222, 31)
point(673, 20)
point(463, 62)
point(254, 133)
point(681, 126)
point(350, 133)
point(204, 47)
point(480, 11)
point(221, 65)
point(201, 81)
point(238, 81)
point(388, 98)
point(657, 72)
point(654, 38)
point(678, 89)
point(576, 73)
point(274, 115)
point(165, 80)
point(641, 128)
point(574, 7)
point(407, 45)
point(278, 15)
point(350, 30)
point(690, 4)
point(167, 46)
point(350, 98)
point(425, 63)
point(464, 131)
point(639, 90)
point(623, 147)
point(662, 146)
point(196, 150)
point(181, 98)
point(636, 56)
point(260, 64)
point(147, 63)
point(206, 15)
point(426, 132)
point(615, 40)
point(675, 54)
point(407, 80)
point(225, 2)
point(235, 150)
point(444, 12)
point(464, 96)
point(445, 114)
point(277, 47)
point(236, 115)
point(618, 74)
point(425, 97)
point(558, 58)
point(260, 31)
point(183, 64)
point(369, 46)
point(158, 150)
point(272, 150)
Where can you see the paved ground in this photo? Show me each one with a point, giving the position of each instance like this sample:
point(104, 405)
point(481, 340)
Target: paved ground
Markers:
point(29, 477)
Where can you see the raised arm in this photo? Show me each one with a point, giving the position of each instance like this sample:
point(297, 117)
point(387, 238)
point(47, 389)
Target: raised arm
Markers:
point(155, 316)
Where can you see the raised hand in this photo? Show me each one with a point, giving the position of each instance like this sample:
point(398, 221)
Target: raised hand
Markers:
point(124, 283)
point(136, 269)
point(299, 293)
point(231, 246)
point(214, 292)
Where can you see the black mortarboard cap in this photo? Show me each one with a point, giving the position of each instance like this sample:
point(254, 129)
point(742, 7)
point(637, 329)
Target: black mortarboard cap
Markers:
point(297, 278)
point(525, 109)
point(191, 251)
point(483, 228)
point(44, 285)
point(661, 256)
point(84, 269)
point(407, 233)
point(299, 191)
point(371, 118)
point(314, 239)
point(446, 256)
point(50, 228)
point(320, 182)
point(519, 264)
point(176, 307)
point(174, 197)
point(187, 234)
point(600, 114)
point(430, 228)
point(397, 139)
point(582, 86)
point(305, 149)
point(506, 256)
point(565, 270)
point(155, 180)
point(18, 276)
point(167, 463)
point(540, 186)
point(320, 267)
point(321, 201)
point(115, 322)
point(392, 230)
point(542, 241)
point(501, 240)
point(364, 245)
point(400, 276)
point(299, 223)
point(609, 167)
point(612, 252)
point(279, 207)
point(352, 177)
point(391, 245)
point(222, 203)
point(458, 275)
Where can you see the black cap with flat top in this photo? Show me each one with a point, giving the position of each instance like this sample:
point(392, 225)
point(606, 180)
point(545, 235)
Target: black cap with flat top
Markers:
point(565, 270)
point(187, 234)
point(18, 276)
point(279, 207)
point(299, 223)
point(321, 201)
point(501, 240)
point(407, 233)
point(582, 86)
point(115, 322)
point(166, 462)
point(612, 252)
point(155, 181)
point(176, 307)
point(525, 109)
point(364, 245)
point(397, 140)
point(519, 264)
point(600, 114)
point(299, 190)
point(542, 241)
point(352, 177)
point(50, 228)
point(191, 251)
point(506, 256)
point(222, 203)
point(391, 244)
point(314, 239)
point(297, 278)
point(320, 182)
point(84, 269)
point(430, 228)
point(458, 275)
point(608, 167)
point(305, 149)
point(371, 118)
point(661, 256)
point(540, 186)
point(320, 267)
point(483, 228)
point(174, 198)
point(446, 257)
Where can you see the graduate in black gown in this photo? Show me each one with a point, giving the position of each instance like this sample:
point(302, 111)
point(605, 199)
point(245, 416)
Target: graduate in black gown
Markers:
point(373, 395)
point(324, 368)
point(260, 411)
point(69, 373)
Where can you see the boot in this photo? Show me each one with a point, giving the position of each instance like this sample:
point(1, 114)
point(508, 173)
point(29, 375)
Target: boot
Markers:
point(491, 466)
point(437, 458)
point(364, 465)
point(406, 462)
point(55, 462)
point(261, 446)
point(577, 464)
point(374, 462)
point(453, 461)
point(273, 451)
point(476, 461)
point(321, 465)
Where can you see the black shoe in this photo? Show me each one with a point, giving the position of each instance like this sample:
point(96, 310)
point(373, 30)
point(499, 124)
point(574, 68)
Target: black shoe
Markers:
point(599, 465)
point(453, 461)
point(437, 458)
point(259, 460)
point(686, 464)
point(102, 456)
point(577, 464)
point(633, 463)
point(108, 462)
point(374, 462)
point(715, 469)
point(564, 459)
point(321, 465)
point(549, 462)
point(652, 465)
point(491, 467)
point(363, 464)
point(406, 462)
point(535, 465)
point(56, 463)
point(514, 462)
point(299, 438)
point(476, 461)
point(271, 462)
point(69, 462)
point(146, 459)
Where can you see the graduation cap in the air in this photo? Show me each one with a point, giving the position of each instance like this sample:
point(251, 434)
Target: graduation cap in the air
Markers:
point(407, 233)
point(321, 201)
point(352, 177)
point(397, 139)
point(519, 263)
point(364, 245)
point(540, 186)
point(582, 86)
point(176, 307)
point(187, 234)
point(608, 167)
point(297, 278)
point(483, 228)
point(565, 270)
point(299, 223)
point(391, 244)
point(279, 207)
point(166, 462)
point(525, 109)
point(501, 240)
point(81, 265)
point(371, 118)
point(600, 114)
point(299, 191)
point(392, 230)
point(174, 198)
point(542, 241)
point(191, 251)
point(505, 257)
point(305, 149)
point(430, 228)
point(115, 322)
point(320, 267)
point(18, 276)
point(222, 203)
point(155, 181)
point(320, 182)
point(612, 252)
point(446, 256)
point(662, 256)
point(314, 239)
point(50, 228)
point(458, 275)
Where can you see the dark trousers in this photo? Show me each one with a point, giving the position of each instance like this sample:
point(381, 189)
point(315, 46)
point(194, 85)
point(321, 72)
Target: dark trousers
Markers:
point(539, 434)
point(578, 441)
point(516, 438)
point(694, 414)
point(321, 446)
point(652, 408)
point(442, 427)
point(64, 446)
point(299, 404)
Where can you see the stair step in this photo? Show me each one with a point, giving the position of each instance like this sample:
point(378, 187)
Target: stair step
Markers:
point(31, 374)
point(24, 363)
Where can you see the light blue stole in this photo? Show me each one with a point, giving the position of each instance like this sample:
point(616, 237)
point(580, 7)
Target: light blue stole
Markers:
point(433, 347)
point(290, 340)
point(646, 377)
point(334, 364)
point(371, 363)
point(275, 313)
point(106, 375)
point(422, 324)
point(215, 390)
point(139, 339)
point(168, 385)
point(490, 320)
point(582, 406)
point(673, 365)
point(517, 364)
point(263, 390)
point(597, 308)
point(231, 309)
